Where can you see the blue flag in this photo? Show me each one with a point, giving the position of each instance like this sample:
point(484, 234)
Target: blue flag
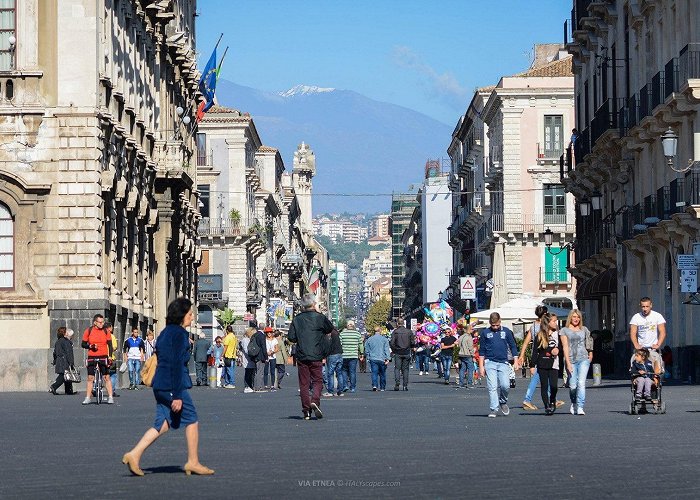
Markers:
point(207, 84)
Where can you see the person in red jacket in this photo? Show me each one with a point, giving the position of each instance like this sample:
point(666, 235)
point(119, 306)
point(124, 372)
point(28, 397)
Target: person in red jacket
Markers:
point(98, 342)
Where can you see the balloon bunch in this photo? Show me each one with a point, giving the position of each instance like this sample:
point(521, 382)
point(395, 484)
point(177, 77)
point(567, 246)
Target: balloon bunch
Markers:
point(437, 318)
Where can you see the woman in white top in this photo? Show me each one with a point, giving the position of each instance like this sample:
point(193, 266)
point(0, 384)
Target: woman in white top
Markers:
point(577, 343)
point(545, 355)
point(272, 346)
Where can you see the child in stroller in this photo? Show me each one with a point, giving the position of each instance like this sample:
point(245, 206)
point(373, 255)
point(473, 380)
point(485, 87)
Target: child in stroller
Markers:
point(646, 383)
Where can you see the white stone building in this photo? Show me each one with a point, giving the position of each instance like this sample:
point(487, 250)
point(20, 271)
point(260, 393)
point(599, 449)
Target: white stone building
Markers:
point(637, 68)
point(98, 205)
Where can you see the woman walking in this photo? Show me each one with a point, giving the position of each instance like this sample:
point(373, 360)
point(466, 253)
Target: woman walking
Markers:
point(577, 343)
point(545, 355)
point(174, 406)
point(63, 359)
point(272, 347)
point(247, 362)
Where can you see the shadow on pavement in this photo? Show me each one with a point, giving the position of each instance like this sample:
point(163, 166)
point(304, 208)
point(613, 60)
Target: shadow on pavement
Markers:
point(166, 469)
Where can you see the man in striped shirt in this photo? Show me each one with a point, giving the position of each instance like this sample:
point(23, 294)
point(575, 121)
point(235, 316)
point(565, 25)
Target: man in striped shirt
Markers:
point(353, 349)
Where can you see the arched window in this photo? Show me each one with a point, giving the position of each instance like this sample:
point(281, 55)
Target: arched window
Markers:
point(7, 248)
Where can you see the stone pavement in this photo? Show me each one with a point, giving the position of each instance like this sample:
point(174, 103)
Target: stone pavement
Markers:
point(433, 441)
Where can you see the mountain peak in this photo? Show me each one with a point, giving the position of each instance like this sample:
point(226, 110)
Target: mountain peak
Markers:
point(305, 90)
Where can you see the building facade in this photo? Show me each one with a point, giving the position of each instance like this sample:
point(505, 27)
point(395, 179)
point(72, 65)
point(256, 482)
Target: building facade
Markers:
point(98, 205)
point(636, 66)
point(402, 206)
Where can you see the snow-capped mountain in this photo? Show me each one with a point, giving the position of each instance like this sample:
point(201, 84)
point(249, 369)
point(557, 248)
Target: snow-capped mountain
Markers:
point(365, 149)
point(305, 90)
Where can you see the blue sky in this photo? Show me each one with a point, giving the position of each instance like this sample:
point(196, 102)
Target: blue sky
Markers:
point(428, 55)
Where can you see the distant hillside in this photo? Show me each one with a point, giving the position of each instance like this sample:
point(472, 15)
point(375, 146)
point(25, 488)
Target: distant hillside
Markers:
point(361, 145)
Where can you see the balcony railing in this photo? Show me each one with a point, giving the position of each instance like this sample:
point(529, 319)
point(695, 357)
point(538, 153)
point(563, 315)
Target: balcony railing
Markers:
point(554, 277)
point(552, 153)
point(220, 227)
point(530, 223)
point(204, 158)
point(605, 118)
point(212, 297)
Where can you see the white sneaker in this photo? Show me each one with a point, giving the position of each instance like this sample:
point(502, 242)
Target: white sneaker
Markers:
point(420, 373)
point(110, 400)
point(248, 389)
point(580, 411)
point(572, 410)
point(87, 401)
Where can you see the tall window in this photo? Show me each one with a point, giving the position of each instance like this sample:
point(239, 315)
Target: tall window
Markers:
point(204, 196)
point(7, 247)
point(553, 136)
point(7, 30)
point(202, 149)
point(554, 204)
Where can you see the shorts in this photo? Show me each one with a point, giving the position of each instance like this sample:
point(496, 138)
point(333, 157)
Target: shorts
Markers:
point(91, 362)
point(186, 416)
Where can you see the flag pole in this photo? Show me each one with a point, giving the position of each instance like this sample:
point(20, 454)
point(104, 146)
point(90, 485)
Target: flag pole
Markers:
point(218, 68)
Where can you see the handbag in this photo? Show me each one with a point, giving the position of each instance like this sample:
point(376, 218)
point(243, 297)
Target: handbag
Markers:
point(72, 374)
point(149, 370)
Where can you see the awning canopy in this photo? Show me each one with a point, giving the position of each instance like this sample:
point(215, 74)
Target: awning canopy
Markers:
point(601, 285)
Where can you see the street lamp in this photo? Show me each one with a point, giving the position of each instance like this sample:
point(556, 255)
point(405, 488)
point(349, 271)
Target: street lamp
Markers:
point(669, 142)
point(548, 237)
point(440, 294)
point(584, 206)
point(596, 201)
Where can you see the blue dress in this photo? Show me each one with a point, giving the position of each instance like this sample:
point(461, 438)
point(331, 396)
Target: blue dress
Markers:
point(172, 379)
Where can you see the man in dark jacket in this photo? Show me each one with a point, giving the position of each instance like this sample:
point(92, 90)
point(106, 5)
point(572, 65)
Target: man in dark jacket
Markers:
point(201, 347)
point(259, 359)
point(308, 331)
point(334, 367)
point(401, 343)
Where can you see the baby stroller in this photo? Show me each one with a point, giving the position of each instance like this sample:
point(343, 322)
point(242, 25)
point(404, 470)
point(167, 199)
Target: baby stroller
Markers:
point(656, 404)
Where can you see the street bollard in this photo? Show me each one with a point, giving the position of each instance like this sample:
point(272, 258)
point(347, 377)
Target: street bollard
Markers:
point(597, 375)
point(212, 377)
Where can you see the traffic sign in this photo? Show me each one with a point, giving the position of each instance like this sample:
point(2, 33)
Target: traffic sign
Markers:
point(689, 280)
point(467, 287)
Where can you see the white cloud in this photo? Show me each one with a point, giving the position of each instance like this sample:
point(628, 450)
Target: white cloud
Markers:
point(443, 86)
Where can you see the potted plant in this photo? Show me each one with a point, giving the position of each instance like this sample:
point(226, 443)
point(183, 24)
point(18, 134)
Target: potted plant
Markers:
point(235, 216)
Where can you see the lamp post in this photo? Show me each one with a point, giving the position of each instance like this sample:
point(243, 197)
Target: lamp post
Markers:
point(584, 206)
point(669, 142)
point(596, 201)
point(548, 240)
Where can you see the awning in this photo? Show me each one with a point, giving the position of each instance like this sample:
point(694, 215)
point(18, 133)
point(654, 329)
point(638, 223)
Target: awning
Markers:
point(601, 285)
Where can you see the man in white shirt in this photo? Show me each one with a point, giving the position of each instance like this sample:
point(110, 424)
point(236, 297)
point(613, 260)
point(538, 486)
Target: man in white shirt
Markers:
point(648, 330)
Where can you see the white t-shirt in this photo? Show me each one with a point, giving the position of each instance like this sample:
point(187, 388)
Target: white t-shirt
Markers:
point(270, 347)
point(647, 327)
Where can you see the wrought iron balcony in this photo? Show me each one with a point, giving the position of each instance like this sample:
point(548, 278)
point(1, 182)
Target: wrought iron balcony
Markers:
point(221, 227)
point(554, 277)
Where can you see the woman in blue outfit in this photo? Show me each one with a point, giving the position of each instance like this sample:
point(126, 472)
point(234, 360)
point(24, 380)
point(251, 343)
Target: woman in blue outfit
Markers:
point(174, 406)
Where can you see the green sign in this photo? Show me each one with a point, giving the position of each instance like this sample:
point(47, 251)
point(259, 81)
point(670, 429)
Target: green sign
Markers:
point(555, 265)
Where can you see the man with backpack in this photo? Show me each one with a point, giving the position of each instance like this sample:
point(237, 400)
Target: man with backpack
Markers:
point(401, 343)
point(257, 352)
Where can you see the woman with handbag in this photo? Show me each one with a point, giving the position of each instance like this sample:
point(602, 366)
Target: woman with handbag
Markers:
point(545, 356)
point(171, 384)
point(63, 360)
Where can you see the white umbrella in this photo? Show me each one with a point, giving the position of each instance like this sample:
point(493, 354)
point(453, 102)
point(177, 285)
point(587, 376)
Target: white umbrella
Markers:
point(500, 288)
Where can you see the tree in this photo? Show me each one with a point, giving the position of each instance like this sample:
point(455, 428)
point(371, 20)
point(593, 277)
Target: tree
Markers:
point(378, 314)
point(225, 317)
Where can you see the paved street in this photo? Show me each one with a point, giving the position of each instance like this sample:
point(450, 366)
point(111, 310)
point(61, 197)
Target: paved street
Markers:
point(430, 442)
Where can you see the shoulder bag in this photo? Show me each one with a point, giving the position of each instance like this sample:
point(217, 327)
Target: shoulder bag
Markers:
point(149, 370)
point(72, 374)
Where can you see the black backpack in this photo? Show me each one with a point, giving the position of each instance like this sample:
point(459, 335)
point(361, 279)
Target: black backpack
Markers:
point(253, 347)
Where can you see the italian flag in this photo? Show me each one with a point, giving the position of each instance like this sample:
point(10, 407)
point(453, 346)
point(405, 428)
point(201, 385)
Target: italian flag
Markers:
point(314, 280)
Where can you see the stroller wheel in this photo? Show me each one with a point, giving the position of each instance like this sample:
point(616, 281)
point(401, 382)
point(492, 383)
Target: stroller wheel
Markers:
point(633, 408)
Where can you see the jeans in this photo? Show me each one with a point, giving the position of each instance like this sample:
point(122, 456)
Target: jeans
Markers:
point(230, 373)
point(134, 372)
point(423, 361)
point(401, 364)
point(281, 372)
point(350, 373)
point(249, 377)
point(497, 382)
point(466, 366)
point(259, 370)
point(334, 366)
point(270, 369)
point(310, 378)
point(534, 380)
point(114, 377)
point(577, 382)
point(446, 361)
point(378, 374)
point(201, 367)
